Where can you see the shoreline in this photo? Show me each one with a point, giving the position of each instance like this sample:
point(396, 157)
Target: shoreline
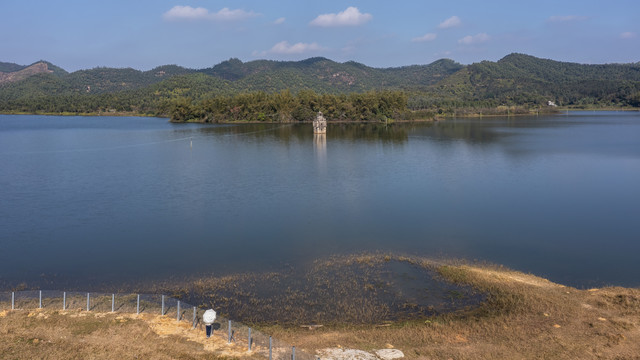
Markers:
point(435, 118)
point(524, 316)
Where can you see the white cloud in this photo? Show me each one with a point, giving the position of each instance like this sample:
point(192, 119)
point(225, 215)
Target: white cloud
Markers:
point(475, 39)
point(189, 13)
point(425, 37)
point(450, 22)
point(279, 21)
point(628, 35)
point(237, 14)
point(186, 13)
point(284, 47)
point(566, 18)
point(350, 17)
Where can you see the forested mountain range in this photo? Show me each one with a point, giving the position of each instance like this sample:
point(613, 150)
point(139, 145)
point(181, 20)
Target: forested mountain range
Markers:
point(515, 80)
point(318, 74)
point(521, 79)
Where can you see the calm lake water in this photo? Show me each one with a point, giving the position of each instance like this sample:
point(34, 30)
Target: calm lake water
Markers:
point(86, 201)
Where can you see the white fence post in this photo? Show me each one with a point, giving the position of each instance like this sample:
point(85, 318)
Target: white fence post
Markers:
point(194, 317)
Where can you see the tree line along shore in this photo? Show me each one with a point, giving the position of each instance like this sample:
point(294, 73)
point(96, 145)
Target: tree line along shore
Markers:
point(283, 107)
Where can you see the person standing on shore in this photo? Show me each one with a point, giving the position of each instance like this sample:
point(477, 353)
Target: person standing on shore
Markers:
point(208, 318)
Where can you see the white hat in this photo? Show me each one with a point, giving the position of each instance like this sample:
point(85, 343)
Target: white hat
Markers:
point(209, 317)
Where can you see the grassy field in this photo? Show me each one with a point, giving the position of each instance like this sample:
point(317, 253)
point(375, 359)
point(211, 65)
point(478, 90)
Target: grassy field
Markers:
point(76, 334)
point(523, 317)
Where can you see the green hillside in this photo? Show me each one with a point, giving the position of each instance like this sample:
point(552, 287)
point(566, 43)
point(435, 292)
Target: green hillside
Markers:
point(442, 87)
point(10, 67)
point(104, 80)
point(56, 70)
point(326, 76)
point(523, 79)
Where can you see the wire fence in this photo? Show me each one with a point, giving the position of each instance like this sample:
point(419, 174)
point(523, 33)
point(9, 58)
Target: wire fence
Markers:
point(254, 341)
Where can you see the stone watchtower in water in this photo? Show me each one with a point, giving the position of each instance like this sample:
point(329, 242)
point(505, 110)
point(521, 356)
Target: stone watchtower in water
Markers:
point(320, 124)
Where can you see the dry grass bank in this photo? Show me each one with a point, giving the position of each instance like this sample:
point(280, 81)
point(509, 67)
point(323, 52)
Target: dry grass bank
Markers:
point(525, 317)
point(75, 334)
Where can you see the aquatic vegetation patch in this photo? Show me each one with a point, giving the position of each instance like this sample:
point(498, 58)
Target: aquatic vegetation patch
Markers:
point(358, 289)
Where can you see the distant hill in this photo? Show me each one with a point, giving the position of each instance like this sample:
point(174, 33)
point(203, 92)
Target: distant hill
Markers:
point(10, 67)
point(10, 73)
point(519, 78)
point(319, 74)
point(516, 79)
point(101, 80)
point(327, 76)
point(98, 80)
point(101, 89)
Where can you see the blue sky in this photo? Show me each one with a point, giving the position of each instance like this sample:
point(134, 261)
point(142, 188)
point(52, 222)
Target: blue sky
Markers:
point(201, 33)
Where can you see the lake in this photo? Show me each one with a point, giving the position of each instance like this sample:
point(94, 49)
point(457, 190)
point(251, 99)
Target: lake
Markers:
point(91, 201)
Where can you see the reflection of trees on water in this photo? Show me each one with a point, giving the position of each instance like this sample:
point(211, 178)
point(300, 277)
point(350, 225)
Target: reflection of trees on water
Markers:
point(472, 130)
point(480, 131)
point(371, 132)
point(304, 132)
point(452, 130)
